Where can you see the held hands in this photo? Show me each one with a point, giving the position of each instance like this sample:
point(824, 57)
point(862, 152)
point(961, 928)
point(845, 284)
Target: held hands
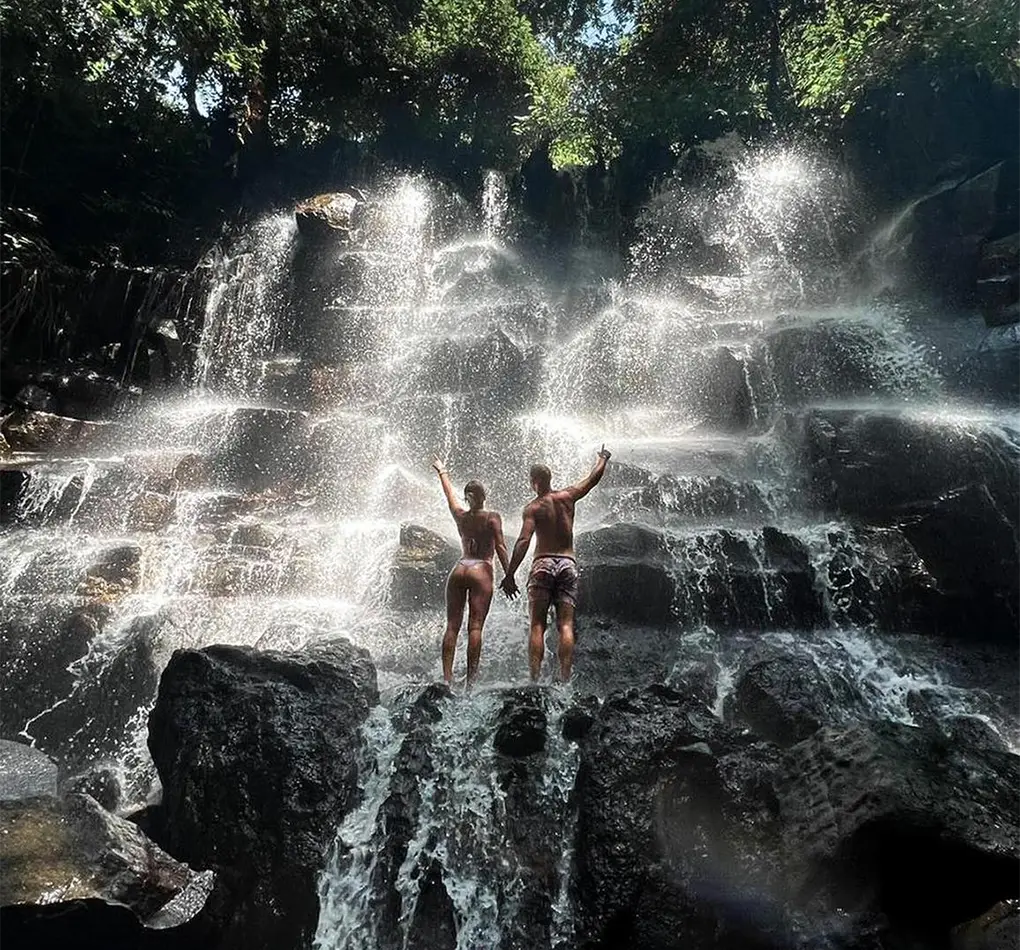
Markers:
point(604, 453)
point(509, 587)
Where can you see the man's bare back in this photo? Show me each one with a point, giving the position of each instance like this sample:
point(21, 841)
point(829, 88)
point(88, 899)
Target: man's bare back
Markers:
point(553, 515)
point(554, 575)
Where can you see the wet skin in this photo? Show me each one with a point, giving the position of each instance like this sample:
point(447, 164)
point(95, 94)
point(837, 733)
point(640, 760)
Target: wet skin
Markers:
point(481, 536)
point(550, 518)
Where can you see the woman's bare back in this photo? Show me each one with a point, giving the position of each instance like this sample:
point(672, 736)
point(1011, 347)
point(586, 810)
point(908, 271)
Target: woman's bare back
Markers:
point(477, 534)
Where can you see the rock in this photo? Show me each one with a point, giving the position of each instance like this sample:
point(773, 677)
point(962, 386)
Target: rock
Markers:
point(626, 573)
point(420, 568)
point(35, 397)
point(579, 718)
point(923, 829)
point(722, 578)
point(115, 572)
point(29, 430)
point(522, 724)
point(63, 851)
point(676, 838)
point(996, 929)
point(258, 756)
point(102, 784)
point(331, 215)
point(12, 482)
point(971, 545)
point(25, 772)
point(784, 698)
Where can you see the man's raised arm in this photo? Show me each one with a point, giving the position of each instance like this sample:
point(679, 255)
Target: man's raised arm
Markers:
point(509, 586)
point(587, 483)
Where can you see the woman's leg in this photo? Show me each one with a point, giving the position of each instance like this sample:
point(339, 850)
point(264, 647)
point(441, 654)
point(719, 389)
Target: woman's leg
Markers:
point(479, 599)
point(456, 595)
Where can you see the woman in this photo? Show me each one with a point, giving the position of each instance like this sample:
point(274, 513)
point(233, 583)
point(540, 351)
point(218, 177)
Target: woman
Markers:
point(481, 535)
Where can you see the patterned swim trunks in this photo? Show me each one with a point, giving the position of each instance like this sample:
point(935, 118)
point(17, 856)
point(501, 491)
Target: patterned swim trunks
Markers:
point(554, 577)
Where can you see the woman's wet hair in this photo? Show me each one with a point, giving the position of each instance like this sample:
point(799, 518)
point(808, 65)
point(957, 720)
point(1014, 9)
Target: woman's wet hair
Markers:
point(475, 493)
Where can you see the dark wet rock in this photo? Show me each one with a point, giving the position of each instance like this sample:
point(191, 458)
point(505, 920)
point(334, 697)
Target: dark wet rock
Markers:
point(29, 430)
point(883, 465)
point(12, 483)
point(114, 572)
point(730, 403)
point(262, 449)
point(625, 573)
point(420, 568)
point(998, 928)
point(398, 820)
point(923, 828)
point(116, 686)
point(328, 216)
point(25, 772)
point(37, 648)
point(784, 697)
point(522, 724)
point(101, 783)
point(258, 756)
point(66, 851)
point(970, 545)
point(676, 830)
point(579, 718)
point(35, 397)
point(434, 924)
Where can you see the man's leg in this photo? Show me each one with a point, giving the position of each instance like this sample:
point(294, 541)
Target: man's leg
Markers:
point(539, 604)
point(479, 599)
point(456, 595)
point(565, 627)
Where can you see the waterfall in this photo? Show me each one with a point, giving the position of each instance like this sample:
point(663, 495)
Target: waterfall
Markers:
point(264, 506)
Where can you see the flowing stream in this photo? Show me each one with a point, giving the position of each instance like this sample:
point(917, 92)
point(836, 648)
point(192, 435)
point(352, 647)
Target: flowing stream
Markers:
point(263, 506)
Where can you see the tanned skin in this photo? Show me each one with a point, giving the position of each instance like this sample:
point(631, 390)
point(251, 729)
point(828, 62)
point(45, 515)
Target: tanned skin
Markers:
point(550, 517)
point(481, 536)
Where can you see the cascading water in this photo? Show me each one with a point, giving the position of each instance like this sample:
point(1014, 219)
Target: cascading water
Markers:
point(264, 507)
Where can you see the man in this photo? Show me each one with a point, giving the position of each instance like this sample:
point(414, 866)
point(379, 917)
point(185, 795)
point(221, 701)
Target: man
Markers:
point(553, 578)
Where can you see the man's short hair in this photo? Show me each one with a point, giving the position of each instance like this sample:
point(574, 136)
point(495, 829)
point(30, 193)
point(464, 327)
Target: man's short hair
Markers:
point(475, 491)
point(541, 476)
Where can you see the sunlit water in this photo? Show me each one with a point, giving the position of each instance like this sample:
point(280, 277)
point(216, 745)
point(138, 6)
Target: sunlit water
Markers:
point(264, 506)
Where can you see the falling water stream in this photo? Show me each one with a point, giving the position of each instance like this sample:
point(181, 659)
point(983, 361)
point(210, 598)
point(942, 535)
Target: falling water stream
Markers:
point(263, 507)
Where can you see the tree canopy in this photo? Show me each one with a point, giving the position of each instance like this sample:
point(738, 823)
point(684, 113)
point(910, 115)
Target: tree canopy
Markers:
point(132, 112)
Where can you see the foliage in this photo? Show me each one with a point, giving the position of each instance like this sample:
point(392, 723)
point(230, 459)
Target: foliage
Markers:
point(847, 49)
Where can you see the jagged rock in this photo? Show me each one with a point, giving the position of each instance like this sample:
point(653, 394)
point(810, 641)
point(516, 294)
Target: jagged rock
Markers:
point(25, 772)
point(65, 851)
point(115, 572)
point(996, 929)
point(258, 756)
point(29, 430)
point(35, 397)
point(100, 783)
point(420, 568)
point(676, 838)
point(331, 215)
point(784, 697)
point(522, 724)
point(923, 827)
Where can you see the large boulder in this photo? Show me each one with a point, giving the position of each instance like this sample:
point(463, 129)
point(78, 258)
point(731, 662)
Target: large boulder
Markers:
point(258, 756)
point(784, 697)
point(331, 215)
point(25, 772)
point(675, 840)
point(420, 567)
point(73, 871)
point(922, 828)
